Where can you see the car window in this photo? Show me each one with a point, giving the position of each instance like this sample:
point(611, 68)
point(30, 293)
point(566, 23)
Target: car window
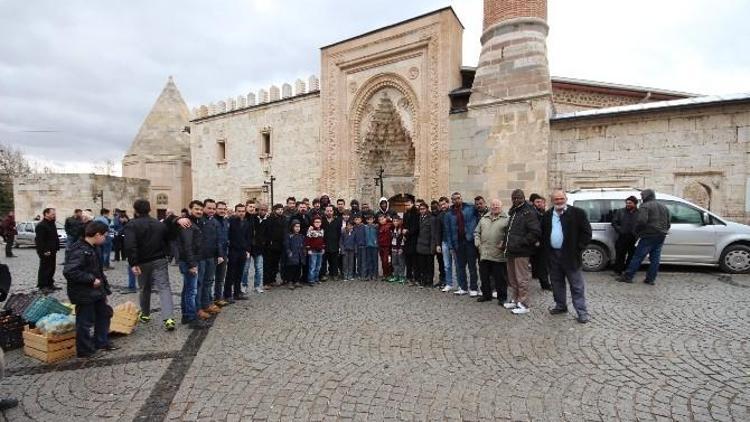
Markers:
point(599, 210)
point(682, 213)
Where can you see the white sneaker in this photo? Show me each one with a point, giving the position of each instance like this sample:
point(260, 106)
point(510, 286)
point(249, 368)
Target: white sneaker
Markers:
point(509, 305)
point(494, 295)
point(447, 289)
point(520, 309)
point(259, 290)
point(473, 293)
point(460, 292)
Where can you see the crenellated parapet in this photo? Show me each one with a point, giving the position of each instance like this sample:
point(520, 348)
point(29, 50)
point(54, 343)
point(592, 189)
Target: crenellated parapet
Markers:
point(262, 96)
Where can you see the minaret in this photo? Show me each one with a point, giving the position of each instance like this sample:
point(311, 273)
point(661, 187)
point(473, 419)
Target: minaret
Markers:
point(160, 152)
point(511, 96)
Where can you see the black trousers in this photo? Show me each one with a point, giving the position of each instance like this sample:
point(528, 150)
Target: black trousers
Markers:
point(441, 267)
point(293, 273)
point(46, 275)
point(492, 271)
point(410, 258)
point(233, 282)
point(424, 269)
point(539, 269)
point(624, 250)
point(92, 315)
point(270, 266)
point(9, 245)
point(330, 266)
point(117, 247)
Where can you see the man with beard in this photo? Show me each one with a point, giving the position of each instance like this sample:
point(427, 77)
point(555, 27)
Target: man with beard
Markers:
point(462, 219)
point(539, 259)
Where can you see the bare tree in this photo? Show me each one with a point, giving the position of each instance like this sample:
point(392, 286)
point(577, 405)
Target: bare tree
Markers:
point(12, 163)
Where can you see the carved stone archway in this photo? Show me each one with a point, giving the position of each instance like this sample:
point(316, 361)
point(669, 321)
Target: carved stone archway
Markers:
point(385, 93)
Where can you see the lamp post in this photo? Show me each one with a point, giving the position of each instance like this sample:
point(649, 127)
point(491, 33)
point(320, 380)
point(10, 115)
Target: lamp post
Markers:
point(100, 196)
point(379, 180)
point(269, 183)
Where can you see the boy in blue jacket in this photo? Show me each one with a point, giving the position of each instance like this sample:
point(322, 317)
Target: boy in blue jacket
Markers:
point(360, 241)
point(294, 252)
point(371, 251)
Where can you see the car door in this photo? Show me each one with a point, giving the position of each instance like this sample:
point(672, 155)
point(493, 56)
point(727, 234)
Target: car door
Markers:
point(689, 239)
point(23, 238)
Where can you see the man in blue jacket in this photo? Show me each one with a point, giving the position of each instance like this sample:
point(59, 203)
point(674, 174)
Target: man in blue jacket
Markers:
point(461, 220)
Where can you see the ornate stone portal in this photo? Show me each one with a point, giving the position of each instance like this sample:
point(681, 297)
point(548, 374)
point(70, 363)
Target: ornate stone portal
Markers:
point(383, 103)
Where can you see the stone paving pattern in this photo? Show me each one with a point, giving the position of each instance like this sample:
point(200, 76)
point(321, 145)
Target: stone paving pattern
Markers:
point(374, 351)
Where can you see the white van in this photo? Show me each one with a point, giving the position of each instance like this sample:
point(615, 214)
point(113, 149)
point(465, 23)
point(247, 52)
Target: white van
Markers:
point(697, 236)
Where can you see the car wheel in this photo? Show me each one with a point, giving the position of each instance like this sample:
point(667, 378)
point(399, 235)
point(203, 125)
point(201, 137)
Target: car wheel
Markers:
point(735, 259)
point(594, 258)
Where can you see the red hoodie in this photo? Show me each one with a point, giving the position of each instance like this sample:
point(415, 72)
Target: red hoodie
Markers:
point(384, 234)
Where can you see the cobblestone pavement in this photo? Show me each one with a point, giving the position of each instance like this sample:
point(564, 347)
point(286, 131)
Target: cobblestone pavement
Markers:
point(372, 351)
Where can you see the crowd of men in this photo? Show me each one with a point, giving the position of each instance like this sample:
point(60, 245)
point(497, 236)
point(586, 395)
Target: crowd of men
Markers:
point(308, 242)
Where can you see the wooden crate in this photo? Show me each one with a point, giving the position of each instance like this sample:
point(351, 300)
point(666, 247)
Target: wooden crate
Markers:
point(124, 318)
point(48, 348)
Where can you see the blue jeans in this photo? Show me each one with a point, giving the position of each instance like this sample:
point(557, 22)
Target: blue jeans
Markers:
point(360, 262)
point(206, 284)
point(466, 256)
point(189, 292)
point(257, 261)
point(316, 258)
point(650, 246)
point(447, 263)
point(131, 278)
point(106, 250)
point(371, 261)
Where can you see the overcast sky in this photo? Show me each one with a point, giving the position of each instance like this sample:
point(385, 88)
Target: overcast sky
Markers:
point(78, 77)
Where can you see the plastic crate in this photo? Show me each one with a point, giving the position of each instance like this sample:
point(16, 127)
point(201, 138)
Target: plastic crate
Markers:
point(11, 330)
point(17, 303)
point(44, 306)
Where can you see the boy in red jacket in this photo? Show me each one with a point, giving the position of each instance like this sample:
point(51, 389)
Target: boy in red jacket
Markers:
point(316, 247)
point(385, 229)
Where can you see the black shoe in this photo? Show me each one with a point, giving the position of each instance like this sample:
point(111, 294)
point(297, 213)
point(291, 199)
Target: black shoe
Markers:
point(230, 300)
point(557, 311)
point(649, 282)
point(197, 324)
point(184, 321)
point(89, 356)
point(583, 319)
point(483, 299)
point(6, 404)
point(624, 279)
point(240, 296)
point(109, 348)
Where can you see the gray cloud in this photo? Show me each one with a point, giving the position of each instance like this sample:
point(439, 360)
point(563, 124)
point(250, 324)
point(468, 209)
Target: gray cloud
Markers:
point(90, 71)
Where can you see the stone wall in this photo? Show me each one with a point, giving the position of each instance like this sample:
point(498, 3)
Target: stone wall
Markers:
point(66, 192)
point(570, 100)
point(293, 125)
point(699, 154)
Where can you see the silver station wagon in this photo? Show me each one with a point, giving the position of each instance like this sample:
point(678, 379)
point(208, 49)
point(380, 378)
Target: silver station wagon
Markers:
point(27, 234)
point(697, 236)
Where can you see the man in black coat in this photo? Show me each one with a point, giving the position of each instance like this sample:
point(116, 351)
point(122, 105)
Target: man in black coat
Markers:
point(47, 245)
point(521, 239)
point(276, 230)
point(566, 232)
point(411, 231)
point(88, 290)
point(623, 222)
point(539, 259)
point(239, 250)
point(331, 236)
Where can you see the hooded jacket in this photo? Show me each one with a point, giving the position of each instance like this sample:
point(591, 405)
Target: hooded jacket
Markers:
point(653, 217)
point(387, 211)
point(82, 267)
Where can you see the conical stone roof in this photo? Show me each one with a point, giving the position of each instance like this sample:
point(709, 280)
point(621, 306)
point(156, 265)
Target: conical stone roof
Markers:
point(161, 133)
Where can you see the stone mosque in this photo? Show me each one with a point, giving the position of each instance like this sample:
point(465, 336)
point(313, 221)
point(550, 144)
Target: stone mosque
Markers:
point(398, 99)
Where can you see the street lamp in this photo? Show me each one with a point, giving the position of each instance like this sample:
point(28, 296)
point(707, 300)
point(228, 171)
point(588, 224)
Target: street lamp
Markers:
point(269, 183)
point(100, 196)
point(379, 180)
